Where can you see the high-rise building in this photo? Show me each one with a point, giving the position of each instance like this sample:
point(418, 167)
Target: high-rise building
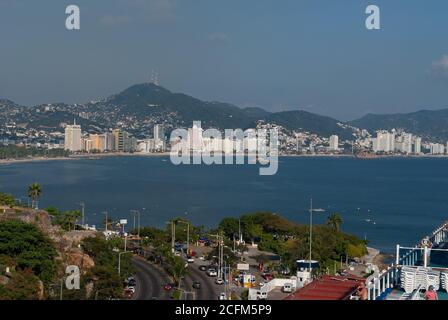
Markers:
point(87, 145)
point(407, 143)
point(159, 132)
point(73, 140)
point(436, 148)
point(418, 145)
point(118, 140)
point(334, 142)
point(109, 141)
point(384, 141)
point(98, 142)
point(195, 137)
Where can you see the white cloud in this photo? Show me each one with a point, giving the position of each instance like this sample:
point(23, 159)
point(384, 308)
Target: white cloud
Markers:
point(440, 67)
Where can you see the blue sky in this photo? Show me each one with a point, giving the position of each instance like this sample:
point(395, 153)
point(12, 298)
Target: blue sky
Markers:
point(314, 55)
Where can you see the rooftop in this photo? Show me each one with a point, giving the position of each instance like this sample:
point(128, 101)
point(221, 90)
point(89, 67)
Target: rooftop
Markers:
point(328, 288)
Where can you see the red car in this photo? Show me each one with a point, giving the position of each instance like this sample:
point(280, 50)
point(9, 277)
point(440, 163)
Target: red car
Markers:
point(168, 287)
point(267, 276)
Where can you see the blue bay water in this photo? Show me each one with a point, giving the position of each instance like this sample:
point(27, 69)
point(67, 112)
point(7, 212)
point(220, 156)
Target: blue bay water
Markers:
point(405, 197)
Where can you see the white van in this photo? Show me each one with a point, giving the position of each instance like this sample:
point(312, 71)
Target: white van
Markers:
point(262, 295)
point(287, 287)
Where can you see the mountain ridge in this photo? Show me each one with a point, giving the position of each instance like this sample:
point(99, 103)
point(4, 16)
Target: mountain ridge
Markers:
point(147, 104)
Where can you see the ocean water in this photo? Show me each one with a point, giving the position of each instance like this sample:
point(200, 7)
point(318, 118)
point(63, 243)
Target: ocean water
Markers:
point(388, 201)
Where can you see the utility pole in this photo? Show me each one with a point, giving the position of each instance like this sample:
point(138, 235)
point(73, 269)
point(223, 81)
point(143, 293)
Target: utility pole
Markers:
point(82, 204)
point(107, 221)
point(60, 294)
point(173, 234)
point(311, 229)
point(119, 260)
point(133, 213)
point(188, 234)
point(136, 212)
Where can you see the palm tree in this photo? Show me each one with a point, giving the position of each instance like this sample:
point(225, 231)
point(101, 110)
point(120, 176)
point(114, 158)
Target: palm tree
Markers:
point(334, 221)
point(34, 192)
point(177, 269)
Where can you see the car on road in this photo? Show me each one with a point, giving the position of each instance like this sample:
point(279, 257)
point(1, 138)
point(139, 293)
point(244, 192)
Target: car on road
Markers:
point(261, 295)
point(203, 268)
point(132, 283)
point(222, 296)
point(219, 281)
point(131, 289)
point(212, 273)
point(287, 287)
point(168, 287)
point(190, 259)
point(196, 285)
point(128, 293)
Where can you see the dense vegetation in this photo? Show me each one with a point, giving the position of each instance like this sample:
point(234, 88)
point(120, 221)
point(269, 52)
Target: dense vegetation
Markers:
point(7, 200)
point(291, 241)
point(107, 283)
point(429, 124)
point(16, 152)
point(30, 256)
point(66, 220)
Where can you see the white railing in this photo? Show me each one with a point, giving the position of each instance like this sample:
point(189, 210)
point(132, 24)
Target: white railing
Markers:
point(378, 284)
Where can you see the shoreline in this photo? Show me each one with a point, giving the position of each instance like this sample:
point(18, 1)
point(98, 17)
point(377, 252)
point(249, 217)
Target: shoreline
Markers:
point(167, 154)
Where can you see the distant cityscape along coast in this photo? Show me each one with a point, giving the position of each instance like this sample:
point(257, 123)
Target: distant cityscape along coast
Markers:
point(346, 139)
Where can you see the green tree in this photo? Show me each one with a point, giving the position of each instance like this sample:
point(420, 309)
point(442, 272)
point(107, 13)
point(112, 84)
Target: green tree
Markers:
point(177, 268)
point(34, 192)
point(334, 221)
point(254, 231)
point(29, 247)
point(230, 227)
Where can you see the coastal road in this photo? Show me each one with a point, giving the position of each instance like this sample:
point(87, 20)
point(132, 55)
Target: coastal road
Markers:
point(209, 290)
point(150, 281)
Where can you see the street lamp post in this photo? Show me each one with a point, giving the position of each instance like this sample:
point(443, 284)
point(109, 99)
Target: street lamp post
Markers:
point(220, 239)
point(107, 221)
point(136, 212)
point(82, 204)
point(311, 229)
point(119, 260)
point(188, 234)
point(173, 234)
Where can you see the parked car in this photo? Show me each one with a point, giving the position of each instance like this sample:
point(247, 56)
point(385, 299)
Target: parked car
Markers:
point(212, 273)
point(168, 287)
point(219, 281)
point(196, 285)
point(203, 268)
point(190, 259)
point(132, 283)
point(287, 287)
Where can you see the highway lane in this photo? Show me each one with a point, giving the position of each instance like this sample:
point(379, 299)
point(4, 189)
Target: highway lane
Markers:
point(150, 281)
point(209, 290)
